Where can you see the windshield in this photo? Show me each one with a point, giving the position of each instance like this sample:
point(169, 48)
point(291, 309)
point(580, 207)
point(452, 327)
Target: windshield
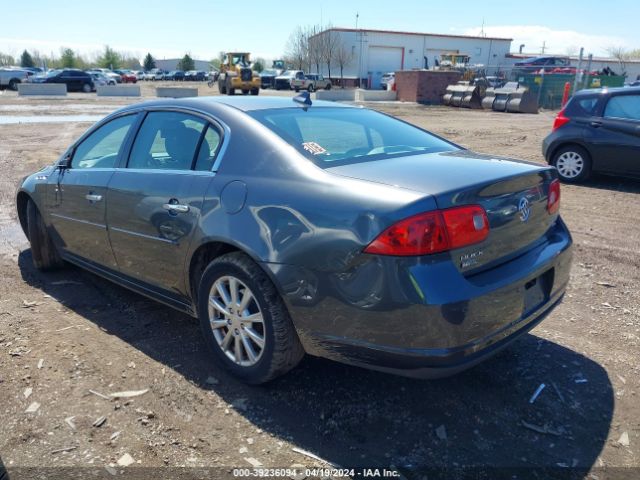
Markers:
point(340, 136)
point(53, 73)
point(268, 72)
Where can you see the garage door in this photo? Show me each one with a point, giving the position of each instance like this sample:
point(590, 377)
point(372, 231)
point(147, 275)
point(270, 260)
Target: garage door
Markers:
point(383, 60)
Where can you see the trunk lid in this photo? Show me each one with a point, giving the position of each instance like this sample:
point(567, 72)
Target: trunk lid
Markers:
point(513, 193)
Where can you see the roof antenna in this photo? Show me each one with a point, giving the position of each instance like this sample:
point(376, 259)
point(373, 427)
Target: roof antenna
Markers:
point(304, 99)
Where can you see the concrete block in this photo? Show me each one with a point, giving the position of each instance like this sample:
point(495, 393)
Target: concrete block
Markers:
point(118, 90)
point(42, 89)
point(375, 95)
point(176, 92)
point(337, 95)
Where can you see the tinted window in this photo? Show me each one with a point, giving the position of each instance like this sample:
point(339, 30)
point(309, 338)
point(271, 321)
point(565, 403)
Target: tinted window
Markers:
point(331, 136)
point(623, 106)
point(208, 149)
point(166, 140)
point(101, 148)
point(583, 106)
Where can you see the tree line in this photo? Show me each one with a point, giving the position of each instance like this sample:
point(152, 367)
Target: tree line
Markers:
point(69, 58)
point(313, 47)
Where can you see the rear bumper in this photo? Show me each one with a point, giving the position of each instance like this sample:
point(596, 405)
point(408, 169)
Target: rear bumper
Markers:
point(422, 317)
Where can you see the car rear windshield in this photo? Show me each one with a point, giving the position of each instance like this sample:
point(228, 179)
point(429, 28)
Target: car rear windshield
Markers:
point(340, 136)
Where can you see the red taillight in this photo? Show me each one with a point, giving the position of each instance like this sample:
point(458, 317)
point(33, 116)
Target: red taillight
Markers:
point(553, 199)
point(433, 232)
point(560, 120)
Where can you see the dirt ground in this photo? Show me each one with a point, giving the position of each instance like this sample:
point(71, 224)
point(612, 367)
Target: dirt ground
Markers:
point(69, 339)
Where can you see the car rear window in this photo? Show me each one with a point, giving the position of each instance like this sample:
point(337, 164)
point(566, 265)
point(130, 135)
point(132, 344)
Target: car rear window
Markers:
point(340, 136)
point(583, 106)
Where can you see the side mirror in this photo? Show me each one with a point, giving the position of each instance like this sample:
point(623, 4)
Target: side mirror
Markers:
point(66, 161)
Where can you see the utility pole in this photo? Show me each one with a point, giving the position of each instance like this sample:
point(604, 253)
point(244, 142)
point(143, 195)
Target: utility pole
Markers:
point(359, 33)
point(575, 82)
point(544, 46)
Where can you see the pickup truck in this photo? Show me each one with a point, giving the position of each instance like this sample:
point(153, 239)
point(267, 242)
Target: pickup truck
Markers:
point(311, 82)
point(11, 77)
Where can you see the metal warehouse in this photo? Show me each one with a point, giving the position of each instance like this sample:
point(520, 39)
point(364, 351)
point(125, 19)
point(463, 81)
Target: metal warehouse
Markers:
point(371, 53)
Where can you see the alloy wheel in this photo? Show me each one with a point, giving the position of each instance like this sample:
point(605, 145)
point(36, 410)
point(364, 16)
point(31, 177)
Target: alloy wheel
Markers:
point(570, 164)
point(236, 320)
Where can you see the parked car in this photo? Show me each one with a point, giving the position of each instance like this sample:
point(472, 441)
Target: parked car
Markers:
point(537, 64)
point(75, 80)
point(157, 74)
point(311, 82)
point(174, 75)
point(386, 78)
point(283, 82)
point(597, 131)
point(105, 71)
point(127, 76)
point(333, 230)
point(195, 76)
point(268, 77)
point(100, 79)
point(147, 76)
point(12, 77)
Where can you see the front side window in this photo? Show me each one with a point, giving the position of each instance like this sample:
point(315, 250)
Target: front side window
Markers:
point(339, 136)
point(623, 106)
point(102, 147)
point(167, 140)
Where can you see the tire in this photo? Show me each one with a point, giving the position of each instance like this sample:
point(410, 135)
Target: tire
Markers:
point(297, 89)
point(573, 164)
point(328, 87)
point(13, 84)
point(43, 252)
point(245, 92)
point(311, 88)
point(255, 91)
point(281, 349)
point(86, 88)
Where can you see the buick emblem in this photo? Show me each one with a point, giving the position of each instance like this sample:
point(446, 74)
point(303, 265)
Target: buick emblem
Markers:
point(524, 208)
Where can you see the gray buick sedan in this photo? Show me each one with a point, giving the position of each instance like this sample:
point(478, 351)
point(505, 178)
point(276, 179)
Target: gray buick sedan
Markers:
point(289, 228)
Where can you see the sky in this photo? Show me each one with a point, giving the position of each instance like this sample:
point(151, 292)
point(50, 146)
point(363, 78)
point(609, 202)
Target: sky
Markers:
point(169, 29)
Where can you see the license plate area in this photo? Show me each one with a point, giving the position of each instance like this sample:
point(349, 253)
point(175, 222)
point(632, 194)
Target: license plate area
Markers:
point(537, 291)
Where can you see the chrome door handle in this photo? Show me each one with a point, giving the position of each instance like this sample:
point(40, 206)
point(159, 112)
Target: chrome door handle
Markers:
point(176, 207)
point(92, 197)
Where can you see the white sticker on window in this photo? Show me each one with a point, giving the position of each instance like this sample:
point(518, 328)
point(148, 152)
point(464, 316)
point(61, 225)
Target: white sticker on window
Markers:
point(313, 148)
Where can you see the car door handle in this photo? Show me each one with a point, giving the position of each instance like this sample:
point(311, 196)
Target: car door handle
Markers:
point(176, 207)
point(596, 124)
point(93, 197)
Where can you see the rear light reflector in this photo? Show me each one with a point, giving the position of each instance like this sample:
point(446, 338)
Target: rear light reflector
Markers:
point(433, 232)
point(560, 120)
point(553, 198)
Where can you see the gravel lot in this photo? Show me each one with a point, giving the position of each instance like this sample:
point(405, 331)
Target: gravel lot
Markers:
point(69, 339)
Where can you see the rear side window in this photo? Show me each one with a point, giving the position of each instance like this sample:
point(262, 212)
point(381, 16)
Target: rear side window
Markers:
point(101, 148)
point(623, 106)
point(583, 106)
point(208, 149)
point(167, 141)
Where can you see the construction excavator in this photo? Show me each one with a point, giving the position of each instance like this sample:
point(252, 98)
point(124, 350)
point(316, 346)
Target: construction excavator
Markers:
point(236, 73)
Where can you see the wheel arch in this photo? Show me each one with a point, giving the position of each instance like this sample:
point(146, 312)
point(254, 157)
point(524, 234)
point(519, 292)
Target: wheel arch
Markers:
point(22, 200)
point(208, 251)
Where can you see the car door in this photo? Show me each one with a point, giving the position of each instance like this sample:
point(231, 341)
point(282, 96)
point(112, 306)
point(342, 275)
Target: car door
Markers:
point(154, 203)
point(615, 137)
point(77, 192)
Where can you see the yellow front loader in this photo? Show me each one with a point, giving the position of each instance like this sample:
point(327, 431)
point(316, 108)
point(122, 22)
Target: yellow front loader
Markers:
point(236, 73)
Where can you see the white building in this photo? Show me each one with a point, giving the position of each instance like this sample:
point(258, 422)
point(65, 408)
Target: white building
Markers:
point(172, 64)
point(371, 53)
